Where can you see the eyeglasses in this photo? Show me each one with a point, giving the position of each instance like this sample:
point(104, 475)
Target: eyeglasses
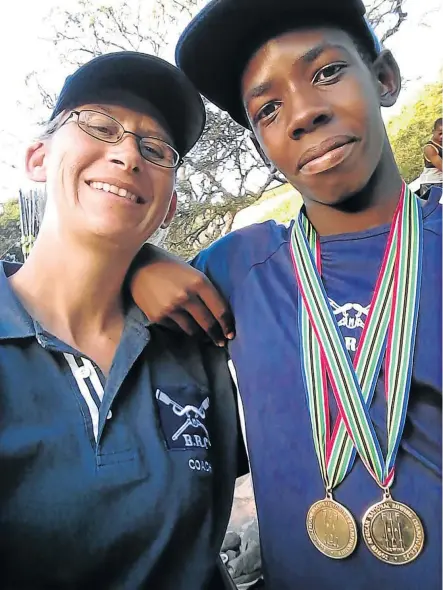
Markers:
point(109, 130)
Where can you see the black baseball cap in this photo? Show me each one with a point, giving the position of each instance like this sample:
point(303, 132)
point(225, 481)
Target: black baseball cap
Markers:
point(216, 46)
point(146, 77)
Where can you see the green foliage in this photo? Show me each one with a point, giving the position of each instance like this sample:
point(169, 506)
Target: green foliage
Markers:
point(283, 189)
point(10, 248)
point(412, 128)
point(285, 209)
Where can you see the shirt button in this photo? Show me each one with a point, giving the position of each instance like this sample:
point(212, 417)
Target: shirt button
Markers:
point(83, 372)
point(109, 416)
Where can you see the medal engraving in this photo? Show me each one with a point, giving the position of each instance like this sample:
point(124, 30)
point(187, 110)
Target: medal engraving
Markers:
point(393, 532)
point(332, 529)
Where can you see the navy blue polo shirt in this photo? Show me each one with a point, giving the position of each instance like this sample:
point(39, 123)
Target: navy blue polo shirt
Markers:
point(122, 483)
point(253, 269)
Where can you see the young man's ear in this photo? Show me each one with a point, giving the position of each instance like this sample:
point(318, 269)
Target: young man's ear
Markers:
point(388, 75)
point(272, 169)
point(171, 212)
point(35, 162)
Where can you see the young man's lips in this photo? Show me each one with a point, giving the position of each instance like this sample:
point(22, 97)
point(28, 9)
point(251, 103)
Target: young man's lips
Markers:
point(327, 155)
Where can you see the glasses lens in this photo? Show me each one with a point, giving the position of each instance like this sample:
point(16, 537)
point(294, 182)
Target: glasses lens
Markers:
point(158, 152)
point(100, 126)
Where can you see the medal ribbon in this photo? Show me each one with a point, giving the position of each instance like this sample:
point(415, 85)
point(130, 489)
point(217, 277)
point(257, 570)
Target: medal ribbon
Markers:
point(390, 328)
point(337, 454)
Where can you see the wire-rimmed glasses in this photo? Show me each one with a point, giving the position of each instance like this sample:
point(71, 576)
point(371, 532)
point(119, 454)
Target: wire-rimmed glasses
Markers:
point(107, 129)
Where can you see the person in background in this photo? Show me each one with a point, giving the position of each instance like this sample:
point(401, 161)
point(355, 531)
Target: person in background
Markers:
point(432, 153)
point(118, 440)
point(338, 317)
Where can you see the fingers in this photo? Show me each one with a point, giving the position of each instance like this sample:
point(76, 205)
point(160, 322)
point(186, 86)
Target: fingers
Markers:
point(184, 321)
point(218, 309)
point(195, 319)
point(198, 311)
point(169, 324)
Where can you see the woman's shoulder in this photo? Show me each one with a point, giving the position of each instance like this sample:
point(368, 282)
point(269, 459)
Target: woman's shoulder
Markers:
point(14, 320)
point(430, 148)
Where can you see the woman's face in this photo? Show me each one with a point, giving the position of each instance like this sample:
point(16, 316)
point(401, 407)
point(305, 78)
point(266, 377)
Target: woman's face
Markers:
point(83, 174)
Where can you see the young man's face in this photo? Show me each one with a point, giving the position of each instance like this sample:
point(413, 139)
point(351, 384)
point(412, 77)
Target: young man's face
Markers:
point(437, 136)
point(314, 106)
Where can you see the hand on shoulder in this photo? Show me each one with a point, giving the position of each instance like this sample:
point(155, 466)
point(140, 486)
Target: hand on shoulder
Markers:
point(172, 293)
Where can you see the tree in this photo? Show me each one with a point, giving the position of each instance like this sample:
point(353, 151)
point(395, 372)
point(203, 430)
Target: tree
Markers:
point(411, 129)
point(10, 248)
point(223, 174)
point(387, 15)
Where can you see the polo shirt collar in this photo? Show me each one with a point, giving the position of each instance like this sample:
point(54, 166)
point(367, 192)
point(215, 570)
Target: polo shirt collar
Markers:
point(15, 322)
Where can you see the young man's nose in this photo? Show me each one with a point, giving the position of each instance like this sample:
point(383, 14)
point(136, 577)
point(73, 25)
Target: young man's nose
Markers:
point(307, 112)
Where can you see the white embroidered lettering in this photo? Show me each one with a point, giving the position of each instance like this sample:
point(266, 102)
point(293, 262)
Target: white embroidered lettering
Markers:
point(197, 465)
point(351, 344)
point(188, 440)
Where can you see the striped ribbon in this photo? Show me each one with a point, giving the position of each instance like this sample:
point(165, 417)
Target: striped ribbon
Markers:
point(389, 330)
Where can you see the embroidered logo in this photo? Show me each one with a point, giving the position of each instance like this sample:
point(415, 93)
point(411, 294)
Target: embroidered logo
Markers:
point(184, 424)
point(350, 315)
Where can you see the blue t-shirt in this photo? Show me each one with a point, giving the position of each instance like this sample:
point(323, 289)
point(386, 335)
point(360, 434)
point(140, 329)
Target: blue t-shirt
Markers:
point(253, 269)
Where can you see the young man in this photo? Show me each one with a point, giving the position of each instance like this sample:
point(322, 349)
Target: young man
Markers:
point(118, 441)
point(338, 317)
point(432, 153)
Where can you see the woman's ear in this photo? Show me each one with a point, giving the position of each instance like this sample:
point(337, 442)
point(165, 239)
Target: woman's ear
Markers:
point(171, 212)
point(35, 162)
point(388, 75)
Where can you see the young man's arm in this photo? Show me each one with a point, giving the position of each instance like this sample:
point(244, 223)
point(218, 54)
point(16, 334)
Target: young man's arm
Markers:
point(168, 289)
point(432, 156)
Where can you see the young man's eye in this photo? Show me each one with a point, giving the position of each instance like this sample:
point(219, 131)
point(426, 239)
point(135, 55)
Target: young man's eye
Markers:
point(329, 73)
point(267, 111)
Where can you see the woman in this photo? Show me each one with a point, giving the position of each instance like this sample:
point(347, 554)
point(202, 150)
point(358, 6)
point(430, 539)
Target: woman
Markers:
point(432, 152)
point(117, 441)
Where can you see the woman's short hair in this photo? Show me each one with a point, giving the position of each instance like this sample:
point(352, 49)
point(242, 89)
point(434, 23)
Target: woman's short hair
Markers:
point(50, 127)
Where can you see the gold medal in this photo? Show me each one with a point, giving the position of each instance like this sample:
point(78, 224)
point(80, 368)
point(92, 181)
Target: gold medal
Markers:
point(331, 528)
point(393, 532)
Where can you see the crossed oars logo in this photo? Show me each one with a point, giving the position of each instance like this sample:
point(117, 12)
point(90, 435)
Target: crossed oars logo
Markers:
point(194, 415)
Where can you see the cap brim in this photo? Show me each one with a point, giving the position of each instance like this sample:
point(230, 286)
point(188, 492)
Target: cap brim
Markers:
point(147, 77)
point(218, 43)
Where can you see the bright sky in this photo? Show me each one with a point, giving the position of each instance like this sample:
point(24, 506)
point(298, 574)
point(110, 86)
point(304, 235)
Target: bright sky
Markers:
point(23, 24)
